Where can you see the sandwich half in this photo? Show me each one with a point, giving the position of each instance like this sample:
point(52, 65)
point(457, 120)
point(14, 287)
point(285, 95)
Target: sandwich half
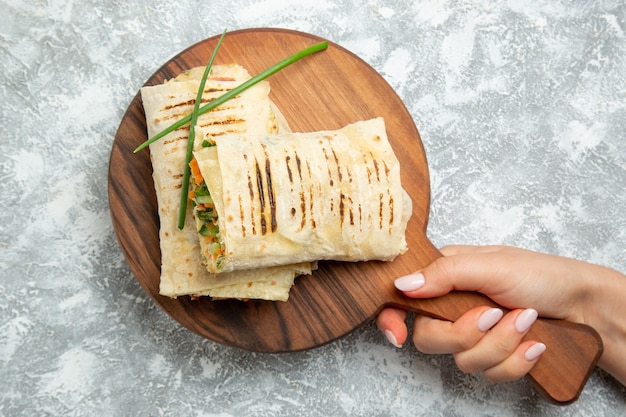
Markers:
point(183, 266)
point(289, 198)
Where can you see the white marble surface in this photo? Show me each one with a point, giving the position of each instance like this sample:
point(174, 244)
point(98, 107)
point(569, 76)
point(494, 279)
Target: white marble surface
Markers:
point(521, 107)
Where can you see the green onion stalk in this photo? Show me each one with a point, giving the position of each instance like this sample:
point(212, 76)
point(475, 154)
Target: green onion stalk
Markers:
point(191, 118)
point(184, 198)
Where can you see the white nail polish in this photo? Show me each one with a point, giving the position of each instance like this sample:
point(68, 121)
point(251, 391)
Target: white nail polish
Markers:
point(534, 351)
point(489, 319)
point(410, 282)
point(392, 338)
point(525, 319)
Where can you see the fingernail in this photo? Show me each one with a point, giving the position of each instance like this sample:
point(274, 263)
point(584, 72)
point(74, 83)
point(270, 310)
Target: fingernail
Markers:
point(525, 320)
point(392, 338)
point(534, 351)
point(410, 282)
point(489, 319)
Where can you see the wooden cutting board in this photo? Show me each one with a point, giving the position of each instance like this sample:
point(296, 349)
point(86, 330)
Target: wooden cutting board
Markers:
point(325, 91)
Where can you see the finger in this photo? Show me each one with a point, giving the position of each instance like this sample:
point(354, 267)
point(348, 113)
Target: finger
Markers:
point(441, 336)
point(472, 271)
point(391, 322)
point(451, 250)
point(518, 364)
point(498, 344)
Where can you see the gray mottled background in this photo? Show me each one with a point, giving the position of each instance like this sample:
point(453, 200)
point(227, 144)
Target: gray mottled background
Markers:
point(521, 107)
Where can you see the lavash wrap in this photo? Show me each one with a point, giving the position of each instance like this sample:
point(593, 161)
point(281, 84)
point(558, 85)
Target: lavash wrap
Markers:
point(182, 269)
point(300, 197)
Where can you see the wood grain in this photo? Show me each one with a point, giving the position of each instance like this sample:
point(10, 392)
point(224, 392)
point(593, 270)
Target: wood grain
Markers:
point(325, 91)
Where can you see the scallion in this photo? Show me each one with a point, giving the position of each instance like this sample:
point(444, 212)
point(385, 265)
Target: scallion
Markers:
point(184, 198)
point(238, 90)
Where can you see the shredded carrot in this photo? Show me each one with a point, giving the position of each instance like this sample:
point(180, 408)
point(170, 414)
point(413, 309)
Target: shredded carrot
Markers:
point(195, 171)
point(204, 206)
point(191, 195)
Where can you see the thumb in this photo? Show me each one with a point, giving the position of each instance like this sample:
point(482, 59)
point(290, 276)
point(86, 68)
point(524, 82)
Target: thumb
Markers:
point(445, 274)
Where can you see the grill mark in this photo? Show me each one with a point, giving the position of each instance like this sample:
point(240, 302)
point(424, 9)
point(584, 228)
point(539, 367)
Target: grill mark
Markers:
point(299, 165)
point(259, 184)
point(222, 123)
point(270, 193)
point(192, 101)
point(376, 167)
point(390, 213)
point(225, 133)
point(339, 174)
point(312, 197)
point(303, 209)
point(179, 183)
point(301, 194)
point(225, 106)
point(380, 210)
point(341, 209)
point(287, 159)
point(367, 168)
point(350, 210)
point(391, 199)
point(360, 218)
point(174, 140)
point(329, 162)
point(182, 113)
point(179, 104)
point(330, 175)
point(251, 191)
point(215, 90)
point(311, 212)
point(242, 217)
point(174, 147)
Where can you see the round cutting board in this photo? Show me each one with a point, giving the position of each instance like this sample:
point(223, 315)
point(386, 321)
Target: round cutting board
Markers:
point(324, 91)
point(321, 92)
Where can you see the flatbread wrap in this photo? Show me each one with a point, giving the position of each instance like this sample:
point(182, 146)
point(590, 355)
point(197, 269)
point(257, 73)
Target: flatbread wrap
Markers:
point(182, 264)
point(300, 197)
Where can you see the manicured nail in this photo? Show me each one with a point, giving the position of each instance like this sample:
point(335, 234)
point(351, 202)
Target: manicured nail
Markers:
point(410, 282)
point(392, 338)
point(489, 319)
point(525, 320)
point(534, 351)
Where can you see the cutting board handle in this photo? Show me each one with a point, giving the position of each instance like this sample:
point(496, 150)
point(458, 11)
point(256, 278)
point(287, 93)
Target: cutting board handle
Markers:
point(572, 352)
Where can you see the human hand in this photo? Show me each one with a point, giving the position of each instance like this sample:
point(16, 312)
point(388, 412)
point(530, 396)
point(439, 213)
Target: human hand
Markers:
point(529, 284)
